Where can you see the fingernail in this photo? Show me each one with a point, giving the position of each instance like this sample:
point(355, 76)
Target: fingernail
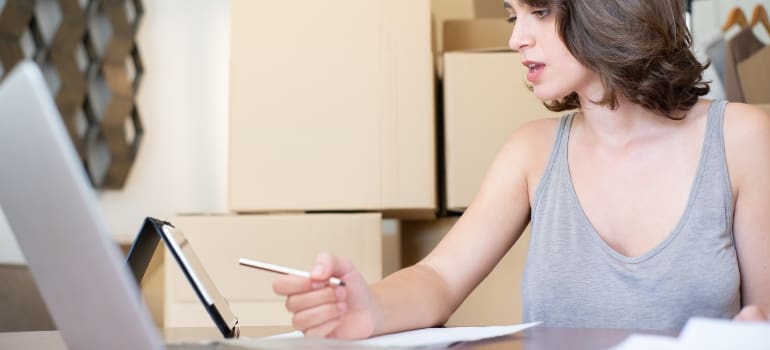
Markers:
point(317, 285)
point(318, 271)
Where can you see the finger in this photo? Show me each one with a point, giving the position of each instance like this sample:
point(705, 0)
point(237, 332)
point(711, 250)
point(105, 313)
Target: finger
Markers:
point(288, 285)
point(750, 313)
point(302, 301)
point(309, 318)
point(328, 265)
point(323, 330)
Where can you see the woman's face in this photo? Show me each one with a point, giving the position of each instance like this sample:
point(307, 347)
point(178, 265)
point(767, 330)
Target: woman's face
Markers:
point(552, 70)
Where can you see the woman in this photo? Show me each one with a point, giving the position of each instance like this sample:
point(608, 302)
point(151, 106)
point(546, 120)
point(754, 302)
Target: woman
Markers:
point(647, 206)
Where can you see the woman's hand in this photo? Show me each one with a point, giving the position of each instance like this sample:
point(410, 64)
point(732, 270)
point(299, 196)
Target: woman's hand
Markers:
point(328, 311)
point(752, 313)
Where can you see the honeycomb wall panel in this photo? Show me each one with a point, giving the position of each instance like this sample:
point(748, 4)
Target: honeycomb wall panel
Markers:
point(88, 54)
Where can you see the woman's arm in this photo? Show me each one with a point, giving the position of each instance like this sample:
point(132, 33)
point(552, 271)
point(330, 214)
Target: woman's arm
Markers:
point(427, 293)
point(747, 143)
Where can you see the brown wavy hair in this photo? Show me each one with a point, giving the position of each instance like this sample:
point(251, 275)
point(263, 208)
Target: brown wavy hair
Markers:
point(639, 48)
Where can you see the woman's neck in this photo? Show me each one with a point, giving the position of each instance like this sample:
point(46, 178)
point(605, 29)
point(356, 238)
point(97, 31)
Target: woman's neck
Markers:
point(624, 125)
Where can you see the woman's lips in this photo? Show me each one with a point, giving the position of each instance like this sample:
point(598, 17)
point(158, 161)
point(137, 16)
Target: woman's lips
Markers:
point(534, 70)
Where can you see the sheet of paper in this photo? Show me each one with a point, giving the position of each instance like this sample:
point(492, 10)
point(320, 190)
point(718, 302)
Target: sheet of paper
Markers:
point(443, 336)
point(433, 337)
point(706, 334)
point(648, 342)
point(717, 334)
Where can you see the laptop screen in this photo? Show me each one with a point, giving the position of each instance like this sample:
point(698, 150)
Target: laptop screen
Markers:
point(56, 218)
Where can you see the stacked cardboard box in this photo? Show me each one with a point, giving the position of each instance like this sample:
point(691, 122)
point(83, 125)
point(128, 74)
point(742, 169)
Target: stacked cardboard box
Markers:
point(446, 10)
point(284, 239)
point(485, 99)
point(333, 110)
point(332, 123)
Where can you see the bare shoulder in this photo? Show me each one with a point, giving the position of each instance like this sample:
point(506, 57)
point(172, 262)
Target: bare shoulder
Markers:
point(533, 136)
point(746, 126)
point(747, 139)
point(529, 147)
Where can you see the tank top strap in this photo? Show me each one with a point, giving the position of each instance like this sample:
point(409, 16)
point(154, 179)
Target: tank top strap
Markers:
point(714, 156)
point(715, 126)
point(558, 156)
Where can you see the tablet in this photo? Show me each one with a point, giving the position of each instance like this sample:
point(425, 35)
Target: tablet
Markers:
point(144, 248)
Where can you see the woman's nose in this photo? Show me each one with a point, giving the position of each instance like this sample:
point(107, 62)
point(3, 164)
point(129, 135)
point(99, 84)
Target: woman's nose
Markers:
point(520, 38)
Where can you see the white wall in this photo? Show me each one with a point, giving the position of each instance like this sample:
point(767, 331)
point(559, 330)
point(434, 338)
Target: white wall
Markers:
point(182, 163)
point(183, 98)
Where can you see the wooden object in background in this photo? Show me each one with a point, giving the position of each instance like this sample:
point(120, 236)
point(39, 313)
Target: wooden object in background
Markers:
point(88, 54)
point(735, 17)
point(759, 16)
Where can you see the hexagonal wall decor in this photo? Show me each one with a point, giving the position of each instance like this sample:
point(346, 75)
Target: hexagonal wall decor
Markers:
point(88, 54)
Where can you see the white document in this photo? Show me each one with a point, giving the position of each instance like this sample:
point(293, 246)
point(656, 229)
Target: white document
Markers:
point(433, 337)
point(443, 336)
point(648, 342)
point(713, 334)
point(706, 334)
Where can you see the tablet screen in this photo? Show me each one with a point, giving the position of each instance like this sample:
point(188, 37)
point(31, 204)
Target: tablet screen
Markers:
point(146, 245)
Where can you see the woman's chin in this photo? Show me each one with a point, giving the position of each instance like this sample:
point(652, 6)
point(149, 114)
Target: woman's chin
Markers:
point(544, 96)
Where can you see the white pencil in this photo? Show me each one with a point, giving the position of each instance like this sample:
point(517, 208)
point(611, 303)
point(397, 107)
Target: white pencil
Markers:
point(284, 270)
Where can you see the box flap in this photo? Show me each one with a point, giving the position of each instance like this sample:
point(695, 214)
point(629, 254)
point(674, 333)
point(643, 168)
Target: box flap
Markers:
point(476, 35)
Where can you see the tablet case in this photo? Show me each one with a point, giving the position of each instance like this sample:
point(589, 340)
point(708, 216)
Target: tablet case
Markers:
point(143, 249)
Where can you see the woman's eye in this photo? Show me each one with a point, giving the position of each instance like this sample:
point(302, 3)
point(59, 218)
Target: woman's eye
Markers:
point(511, 19)
point(541, 13)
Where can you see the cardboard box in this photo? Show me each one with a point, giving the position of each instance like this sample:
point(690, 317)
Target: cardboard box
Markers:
point(445, 10)
point(291, 240)
point(391, 246)
point(476, 34)
point(489, 9)
point(497, 300)
point(332, 109)
point(485, 99)
point(754, 74)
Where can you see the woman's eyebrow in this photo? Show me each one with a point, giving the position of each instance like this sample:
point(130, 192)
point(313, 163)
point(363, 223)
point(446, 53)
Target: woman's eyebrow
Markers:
point(507, 5)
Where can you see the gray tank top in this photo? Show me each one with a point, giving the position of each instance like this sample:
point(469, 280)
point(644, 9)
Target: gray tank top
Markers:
point(573, 278)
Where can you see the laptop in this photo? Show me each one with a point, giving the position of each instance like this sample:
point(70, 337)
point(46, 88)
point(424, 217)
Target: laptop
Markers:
point(91, 292)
